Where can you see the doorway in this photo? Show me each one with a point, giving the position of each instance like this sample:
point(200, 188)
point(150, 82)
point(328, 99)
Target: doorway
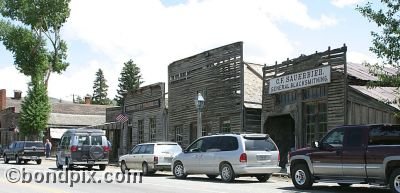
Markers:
point(282, 131)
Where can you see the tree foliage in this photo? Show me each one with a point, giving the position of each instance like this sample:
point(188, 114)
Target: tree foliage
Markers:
point(386, 42)
point(35, 110)
point(100, 89)
point(30, 29)
point(130, 79)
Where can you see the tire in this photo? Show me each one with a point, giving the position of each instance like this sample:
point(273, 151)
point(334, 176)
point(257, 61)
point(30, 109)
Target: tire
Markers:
point(226, 172)
point(345, 184)
point(179, 170)
point(89, 167)
point(39, 161)
point(69, 166)
point(25, 161)
point(124, 168)
point(301, 177)
point(58, 165)
point(263, 178)
point(18, 160)
point(6, 159)
point(394, 181)
point(211, 176)
point(102, 167)
point(145, 169)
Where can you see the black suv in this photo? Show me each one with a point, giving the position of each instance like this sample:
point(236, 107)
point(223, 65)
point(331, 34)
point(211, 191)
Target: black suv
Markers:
point(24, 151)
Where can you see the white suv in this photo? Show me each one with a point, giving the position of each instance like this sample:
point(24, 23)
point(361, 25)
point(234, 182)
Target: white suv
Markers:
point(229, 155)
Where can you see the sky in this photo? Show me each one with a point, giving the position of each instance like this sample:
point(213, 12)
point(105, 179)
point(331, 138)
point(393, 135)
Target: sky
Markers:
point(154, 33)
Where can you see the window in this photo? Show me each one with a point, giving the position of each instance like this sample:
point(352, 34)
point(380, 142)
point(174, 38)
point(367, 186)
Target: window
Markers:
point(152, 127)
point(178, 134)
point(314, 92)
point(210, 144)
point(142, 149)
point(259, 144)
point(206, 129)
point(385, 135)
point(334, 138)
point(354, 138)
point(286, 98)
point(226, 126)
point(97, 140)
point(140, 131)
point(149, 149)
point(83, 140)
point(315, 120)
point(196, 146)
point(229, 143)
point(135, 150)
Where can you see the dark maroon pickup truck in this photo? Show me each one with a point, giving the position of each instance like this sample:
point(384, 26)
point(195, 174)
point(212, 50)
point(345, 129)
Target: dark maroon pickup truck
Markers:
point(366, 154)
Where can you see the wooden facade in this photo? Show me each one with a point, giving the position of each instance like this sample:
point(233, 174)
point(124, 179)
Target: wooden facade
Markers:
point(296, 116)
point(219, 75)
point(147, 114)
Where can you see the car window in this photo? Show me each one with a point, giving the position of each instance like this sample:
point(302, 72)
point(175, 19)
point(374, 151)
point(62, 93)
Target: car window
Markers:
point(142, 149)
point(229, 143)
point(334, 139)
point(11, 145)
point(97, 140)
point(259, 144)
point(354, 138)
point(385, 135)
point(195, 147)
point(135, 150)
point(168, 148)
point(33, 144)
point(211, 144)
point(83, 140)
point(149, 149)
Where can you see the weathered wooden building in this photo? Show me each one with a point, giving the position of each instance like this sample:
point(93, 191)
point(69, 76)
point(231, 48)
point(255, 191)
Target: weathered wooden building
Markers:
point(305, 97)
point(231, 89)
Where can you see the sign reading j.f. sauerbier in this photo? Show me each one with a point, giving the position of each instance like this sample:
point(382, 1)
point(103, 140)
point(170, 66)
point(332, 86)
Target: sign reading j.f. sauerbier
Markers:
point(298, 80)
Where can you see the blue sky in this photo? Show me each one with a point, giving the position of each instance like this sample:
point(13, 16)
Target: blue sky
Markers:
point(105, 34)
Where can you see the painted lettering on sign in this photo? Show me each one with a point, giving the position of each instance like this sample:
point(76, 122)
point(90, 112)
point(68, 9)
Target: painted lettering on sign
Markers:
point(303, 79)
point(143, 106)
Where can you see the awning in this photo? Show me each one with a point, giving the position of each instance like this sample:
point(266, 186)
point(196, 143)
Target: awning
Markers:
point(56, 133)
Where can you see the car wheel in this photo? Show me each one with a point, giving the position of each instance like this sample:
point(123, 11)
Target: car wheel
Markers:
point(145, 169)
point(394, 181)
point(301, 177)
point(59, 166)
point(39, 161)
point(345, 184)
point(263, 178)
point(211, 176)
point(69, 165)
point(227, 173)
point(6, 159)
point(124, 168)
point(102, 167)
point(17, 160)
point(25, 161)
point(89, 167)
point(179, 170)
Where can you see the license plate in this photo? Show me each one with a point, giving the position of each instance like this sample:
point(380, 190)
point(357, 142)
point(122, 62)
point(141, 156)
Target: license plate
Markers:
point(168, 159)
point(90, 162)
point(262, 157)
point(34, 157)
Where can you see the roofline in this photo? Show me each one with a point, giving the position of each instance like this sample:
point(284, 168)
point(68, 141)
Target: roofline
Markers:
point(393, 108)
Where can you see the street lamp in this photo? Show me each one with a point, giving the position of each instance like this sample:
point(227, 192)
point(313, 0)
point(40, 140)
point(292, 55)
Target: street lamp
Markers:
point(199, 102)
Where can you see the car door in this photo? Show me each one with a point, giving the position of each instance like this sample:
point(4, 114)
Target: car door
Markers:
point(138, 158)
point(209, 154)
point(353, 157)
point(60, 150)
point(129, 160)
point(327, 161)
point(191, 157)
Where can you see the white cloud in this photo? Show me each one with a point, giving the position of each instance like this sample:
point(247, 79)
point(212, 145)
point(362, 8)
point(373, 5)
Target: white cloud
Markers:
point(154, 35)
point(344, 3)
point(358, 57)
point(11, 79)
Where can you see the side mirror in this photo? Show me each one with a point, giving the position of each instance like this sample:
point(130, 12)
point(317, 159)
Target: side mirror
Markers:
point(316, 144)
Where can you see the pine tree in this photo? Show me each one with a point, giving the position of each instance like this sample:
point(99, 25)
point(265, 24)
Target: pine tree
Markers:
point(35, 111)
point(130, 79)
point(100, 89)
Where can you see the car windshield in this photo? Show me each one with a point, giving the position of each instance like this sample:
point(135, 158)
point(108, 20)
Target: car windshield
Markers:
point(33, 144)
point(83, 140)
point(97, 140)
point(260, 144)
point(168, 148)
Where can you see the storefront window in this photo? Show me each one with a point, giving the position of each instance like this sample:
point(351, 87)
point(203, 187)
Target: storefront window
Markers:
point(315, 120)
point(140, 131)
point(178, 134)
point(225, 126)
point(152, 127)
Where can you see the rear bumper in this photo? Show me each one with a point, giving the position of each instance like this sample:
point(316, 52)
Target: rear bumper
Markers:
point(240, 169)
point(164, 167)
point(90, 162)
point(31, 157)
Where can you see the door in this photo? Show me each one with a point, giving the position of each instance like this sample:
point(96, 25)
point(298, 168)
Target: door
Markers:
point(328, 160)
point(130, 157)
point(210, 151)
point(353, 157)
point(191, 157)
point(138, 157)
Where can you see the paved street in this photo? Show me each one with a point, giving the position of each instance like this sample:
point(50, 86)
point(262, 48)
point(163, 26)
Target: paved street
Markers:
point(160, 183)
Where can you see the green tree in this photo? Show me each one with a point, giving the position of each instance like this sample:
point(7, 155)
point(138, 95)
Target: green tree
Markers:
point(34, 39)
point(79, 100)
point(100, 89)
point(130, 79)
point(34, 111)
point(386, 42)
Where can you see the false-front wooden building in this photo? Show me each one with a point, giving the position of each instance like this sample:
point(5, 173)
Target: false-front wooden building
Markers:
point(231, 89)
point(305, 97)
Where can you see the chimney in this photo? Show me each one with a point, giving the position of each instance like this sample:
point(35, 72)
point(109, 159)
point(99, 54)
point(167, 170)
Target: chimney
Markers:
point(3, 104)
point(88, 99)
point(17, 94)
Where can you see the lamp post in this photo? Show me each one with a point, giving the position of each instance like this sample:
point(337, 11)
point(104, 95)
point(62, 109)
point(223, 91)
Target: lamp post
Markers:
point(199, 102)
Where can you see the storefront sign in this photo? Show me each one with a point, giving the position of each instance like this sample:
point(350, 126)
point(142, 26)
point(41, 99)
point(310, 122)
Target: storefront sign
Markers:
point(143, 106)
point(298, 80)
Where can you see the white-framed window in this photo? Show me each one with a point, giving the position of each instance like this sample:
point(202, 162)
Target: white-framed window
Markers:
point(153, 130)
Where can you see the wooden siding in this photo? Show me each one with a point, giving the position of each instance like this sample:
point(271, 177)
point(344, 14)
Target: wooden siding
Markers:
point(144, 104)
point(336, 89)
point(218, 74)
